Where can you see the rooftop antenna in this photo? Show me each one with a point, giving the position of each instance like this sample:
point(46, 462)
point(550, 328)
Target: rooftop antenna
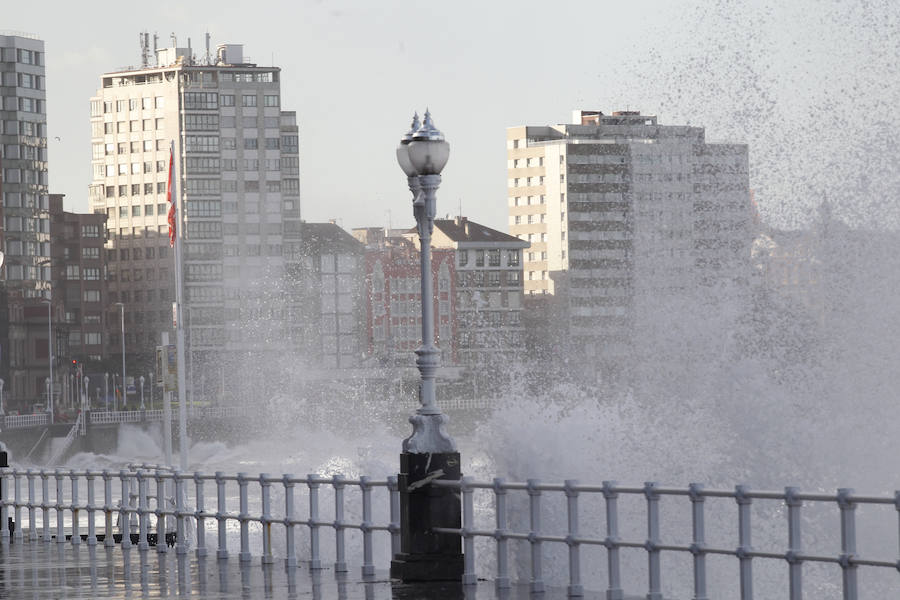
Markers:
point(208, 57)
point(174, 40)
point(460, 208)
point(143, 39)
point(190, 53)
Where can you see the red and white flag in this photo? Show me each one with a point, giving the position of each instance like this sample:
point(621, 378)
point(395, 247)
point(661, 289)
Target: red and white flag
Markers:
point(169, 198)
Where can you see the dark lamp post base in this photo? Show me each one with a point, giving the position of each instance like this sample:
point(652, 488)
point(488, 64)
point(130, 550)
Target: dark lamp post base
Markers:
point(425, 555)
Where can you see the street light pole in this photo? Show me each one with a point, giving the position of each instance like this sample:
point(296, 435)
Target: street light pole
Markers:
point(142, 392)
point(106, 390)
point(50, 358)
point(124, 389)
point(429, 453)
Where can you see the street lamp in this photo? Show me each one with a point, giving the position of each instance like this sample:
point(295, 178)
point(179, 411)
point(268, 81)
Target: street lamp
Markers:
point(106, 390)
point(124, 390)
point(142, 392)
point(50, 358)
point(2, 411)
point(429, 453)
point(422, 154)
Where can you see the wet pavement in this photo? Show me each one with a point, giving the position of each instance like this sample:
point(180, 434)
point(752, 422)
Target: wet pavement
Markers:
point(52, 570)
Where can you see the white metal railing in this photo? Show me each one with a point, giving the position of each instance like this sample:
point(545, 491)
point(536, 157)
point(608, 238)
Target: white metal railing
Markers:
point(126, 495)
point(103, 417)
point(794, 555)
point(22, 421)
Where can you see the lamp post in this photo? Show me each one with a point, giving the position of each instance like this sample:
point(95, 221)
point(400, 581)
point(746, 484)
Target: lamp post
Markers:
point(106, 390)
point(142, 392)
point(152, 385)
point(2, 410)
point(115, 395)
point(124, 389)
point(429, 453)
point(50, 358)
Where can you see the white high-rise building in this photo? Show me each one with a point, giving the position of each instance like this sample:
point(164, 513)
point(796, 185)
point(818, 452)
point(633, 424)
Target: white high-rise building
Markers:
point(623, 213)
point(237, 159)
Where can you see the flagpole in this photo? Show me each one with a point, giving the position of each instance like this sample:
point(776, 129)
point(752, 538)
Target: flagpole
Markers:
point(179, 315)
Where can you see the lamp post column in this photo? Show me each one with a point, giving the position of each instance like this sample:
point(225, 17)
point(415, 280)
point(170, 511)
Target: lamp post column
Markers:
point(429, 453)
point(106, 390)
point(50, 356)
point(124, 388)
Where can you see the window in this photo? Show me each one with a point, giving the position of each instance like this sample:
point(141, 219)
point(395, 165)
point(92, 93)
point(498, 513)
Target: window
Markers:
point(123, 191)
point(91, 296)
point(202, 143)
point(92, 338)
point(270, 100)
point(228, 143)
point(91, 273)
point(479, 258)
point(148, 189)
point(248, 100)
point(494, 258)
point(227, 99)
point(135, 211)
point(202, 122)
point(90, 231)
point(72, 272)
point(512, 258)
point(135, 189)
point(251, 143)
point(88, 252)
point(160, 187)
point(161, 208)
point(201, 100)
point(272, 143)
point(148, 210)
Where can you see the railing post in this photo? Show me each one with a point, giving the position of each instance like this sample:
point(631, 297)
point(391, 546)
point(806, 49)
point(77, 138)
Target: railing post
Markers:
point(76, 533)
point(244, 554)
point(698, 547)
point(537, 567)
point(394, 525)
point(45, 504)
point(143, 517)
point(265, 490)
point(611, 496)
point(848, 542)
point(201, 520)
point(32, 507)
point(744, 541)
point(315, 560)
point(60, 508)
point(221, 515)
point(795, 547)
point(161, 519)
point(654, 571)
point(502, 581)
point(108, 539)
point(575, 588)
point(368, 567)
point(17, 534)
point(469, 577)
point(290, 560)
point(124, 517)
point(340, 563)
point(4, 507)
point(181, 542)
point(91, 511)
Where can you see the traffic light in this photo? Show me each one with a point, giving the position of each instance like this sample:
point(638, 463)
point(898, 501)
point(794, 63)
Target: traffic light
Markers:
point(74, 364)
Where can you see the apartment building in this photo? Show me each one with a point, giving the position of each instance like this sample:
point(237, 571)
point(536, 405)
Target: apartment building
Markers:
point(623, 213)
point(237, 162)
point(79, 269)
point(394, 297)
point(25, 239)
point(488, 290)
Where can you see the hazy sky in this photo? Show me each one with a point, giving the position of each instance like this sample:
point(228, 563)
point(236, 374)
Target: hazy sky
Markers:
point(811, 85)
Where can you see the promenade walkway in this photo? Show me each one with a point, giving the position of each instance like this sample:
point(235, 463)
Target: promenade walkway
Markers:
point(50, 570)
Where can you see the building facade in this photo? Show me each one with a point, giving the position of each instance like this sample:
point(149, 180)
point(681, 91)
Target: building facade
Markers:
point(26, 269)
point(623, 213)
point(394, 298)
point(237, 162)
point(487, 290)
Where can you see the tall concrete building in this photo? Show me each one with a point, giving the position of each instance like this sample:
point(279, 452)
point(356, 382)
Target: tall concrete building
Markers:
point(624, 214)
point(24, 210)
point(237, 162)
